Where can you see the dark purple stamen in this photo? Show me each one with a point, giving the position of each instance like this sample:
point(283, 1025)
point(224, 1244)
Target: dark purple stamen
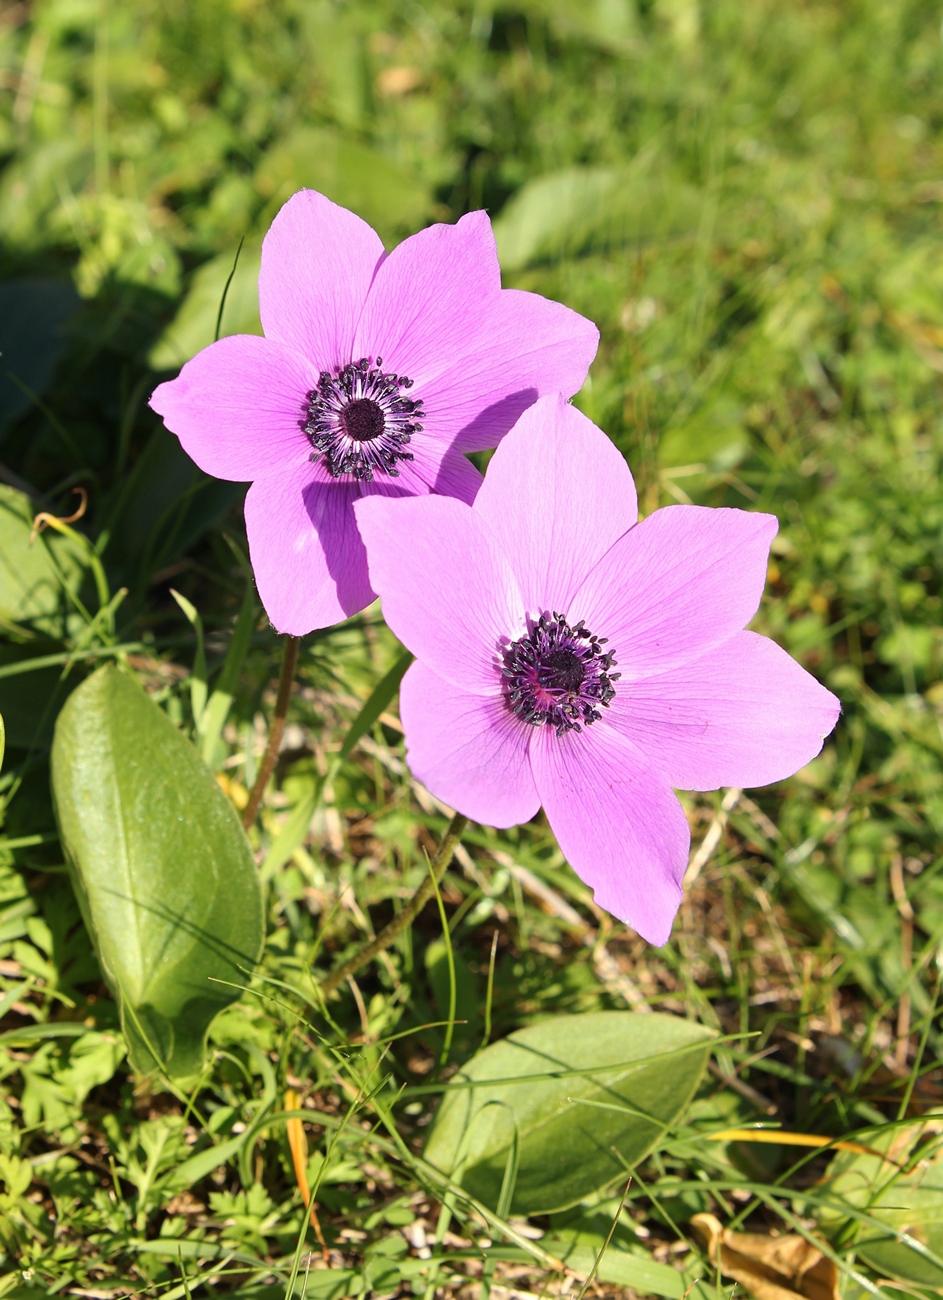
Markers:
point(360, 421)
point(558, 675)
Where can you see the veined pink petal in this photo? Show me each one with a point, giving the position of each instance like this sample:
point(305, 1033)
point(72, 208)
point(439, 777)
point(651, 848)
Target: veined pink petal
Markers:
point(557, 495)
point(408, 482)
point(318, 262)
point(309, 562)
point(744, 714)
point(237, 407)
point(443, 471)
point(447, 592)
point(681, 582)
point(453, 476)
point(516, 347)
point(426, 294)
point(617, 821)
point(468, 750)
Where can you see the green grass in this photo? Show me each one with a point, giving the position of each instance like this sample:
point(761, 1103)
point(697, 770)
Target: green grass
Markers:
point(747, 200)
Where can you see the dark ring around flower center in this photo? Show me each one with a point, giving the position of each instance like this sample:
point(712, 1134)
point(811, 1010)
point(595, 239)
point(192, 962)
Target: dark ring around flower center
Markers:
point(359, 420)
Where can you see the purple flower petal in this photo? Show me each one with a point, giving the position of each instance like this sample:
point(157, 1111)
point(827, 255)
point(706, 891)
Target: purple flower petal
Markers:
point(310, 564)
point(254, 409)
point(447, 593)
point(409, 480)
point(318, 262)
point(681, 582)
point(618, 823)
point(237, 407)
point(425, 295)
point(443, 471)
point(557, 495)
point(515, 348)
point(454, 476)
point(744, 714)
point(468, 750)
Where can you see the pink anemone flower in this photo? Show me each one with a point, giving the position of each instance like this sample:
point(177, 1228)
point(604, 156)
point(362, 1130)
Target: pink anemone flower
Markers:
point(376, 373)
point(570, 656)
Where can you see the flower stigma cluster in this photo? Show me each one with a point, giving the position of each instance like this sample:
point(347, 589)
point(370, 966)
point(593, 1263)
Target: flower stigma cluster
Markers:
point(558, 675)
point(360, 421)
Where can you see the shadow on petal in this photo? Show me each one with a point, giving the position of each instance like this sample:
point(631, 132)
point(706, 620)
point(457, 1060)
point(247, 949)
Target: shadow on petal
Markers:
point(331, 512)
point(490, 425)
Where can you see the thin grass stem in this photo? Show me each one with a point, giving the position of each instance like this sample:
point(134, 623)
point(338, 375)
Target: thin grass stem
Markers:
point(276, 730)
point(399, 923)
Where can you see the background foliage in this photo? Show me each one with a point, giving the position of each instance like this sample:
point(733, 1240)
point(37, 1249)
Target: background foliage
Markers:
point(747, 199)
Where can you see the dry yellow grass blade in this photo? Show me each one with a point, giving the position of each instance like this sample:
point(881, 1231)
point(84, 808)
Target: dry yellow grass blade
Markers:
point(298, 1145)
point(777, 1137)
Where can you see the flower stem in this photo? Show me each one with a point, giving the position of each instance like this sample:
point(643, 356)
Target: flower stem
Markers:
point(437, 868)
point(276, 730)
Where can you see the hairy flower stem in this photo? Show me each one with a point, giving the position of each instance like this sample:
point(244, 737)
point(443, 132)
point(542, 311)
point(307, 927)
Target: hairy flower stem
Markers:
point(276, 729)
point(437, 869)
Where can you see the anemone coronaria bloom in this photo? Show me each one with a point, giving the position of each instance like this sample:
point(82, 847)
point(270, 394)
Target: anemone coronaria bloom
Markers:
point(376, 374)
point(570, 656)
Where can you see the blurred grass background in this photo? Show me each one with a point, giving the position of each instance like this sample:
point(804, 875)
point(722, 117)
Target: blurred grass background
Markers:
point(746, 197)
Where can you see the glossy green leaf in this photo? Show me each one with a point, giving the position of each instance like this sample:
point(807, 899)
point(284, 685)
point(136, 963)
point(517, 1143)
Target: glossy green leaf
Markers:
point(610, 24)
point(578, 208)
point(30, 697)
point(382, 191)
point(161, 866)
point(902, 1196)
point(39, 583)
point(587, 1096)
point(35, 578)
point(622, 1268)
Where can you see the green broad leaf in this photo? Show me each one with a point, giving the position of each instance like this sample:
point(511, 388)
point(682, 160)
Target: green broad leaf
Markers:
point(163, 871)
point(36, 579)
point(577, 209)
point(194, 326)
point(382, 191)
point(608, 24)
point(619, 1267)
point(901, 1192)
point(714, 441)
point(584, 1096)
point(30, 697)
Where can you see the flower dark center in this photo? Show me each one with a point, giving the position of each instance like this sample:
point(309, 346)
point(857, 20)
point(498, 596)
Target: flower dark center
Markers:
point(363, 420)
point(558, 675)
point(562, 670)
point(360, 420)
